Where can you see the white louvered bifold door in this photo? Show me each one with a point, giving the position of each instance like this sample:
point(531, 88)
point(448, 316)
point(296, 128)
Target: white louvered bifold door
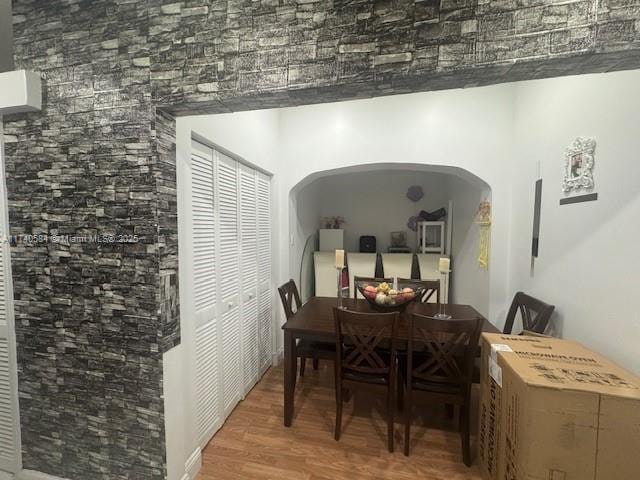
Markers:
point(265, 293)
point(10, 458)
point(249, 276)
point(228, 279)
point(203, 265)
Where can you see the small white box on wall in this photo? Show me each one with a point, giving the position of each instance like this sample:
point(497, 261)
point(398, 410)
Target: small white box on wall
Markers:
point(20, 91)
point(331, 239)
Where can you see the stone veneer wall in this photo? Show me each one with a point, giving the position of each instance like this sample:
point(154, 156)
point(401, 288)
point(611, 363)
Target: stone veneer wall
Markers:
point(218, 56)
point(92, 320)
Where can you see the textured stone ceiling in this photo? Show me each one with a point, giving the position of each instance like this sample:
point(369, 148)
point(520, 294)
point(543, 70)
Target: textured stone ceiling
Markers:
point(224, 56)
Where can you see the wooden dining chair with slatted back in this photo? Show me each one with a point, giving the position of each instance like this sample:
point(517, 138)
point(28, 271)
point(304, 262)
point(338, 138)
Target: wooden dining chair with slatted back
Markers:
point(439, 365)
point(431, 288)
point(357, 279)
point(316, 350)
point(535, 314)
point(358, 361)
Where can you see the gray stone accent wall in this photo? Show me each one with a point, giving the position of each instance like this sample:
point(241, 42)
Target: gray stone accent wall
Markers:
point(167, 211)
point(93, 318)
point(218, 56)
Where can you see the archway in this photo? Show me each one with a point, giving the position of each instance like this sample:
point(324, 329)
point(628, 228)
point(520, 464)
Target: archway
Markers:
point(372, 199)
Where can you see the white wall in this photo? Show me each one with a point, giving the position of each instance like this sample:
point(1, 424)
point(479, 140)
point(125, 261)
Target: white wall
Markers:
point(589, 263)
point(303, 227)
point(375, 203)
point(469, 282)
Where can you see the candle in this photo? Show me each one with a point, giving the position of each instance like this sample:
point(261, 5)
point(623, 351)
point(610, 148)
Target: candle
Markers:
point(444, 265)
point(339, 258)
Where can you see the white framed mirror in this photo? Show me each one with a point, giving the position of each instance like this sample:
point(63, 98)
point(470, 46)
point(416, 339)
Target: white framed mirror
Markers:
point(579, 162)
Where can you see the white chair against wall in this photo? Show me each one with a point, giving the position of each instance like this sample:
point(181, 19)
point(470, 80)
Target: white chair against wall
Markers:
point(360, 265)
point(324, 264)
point(428, 263)
point(397, 265)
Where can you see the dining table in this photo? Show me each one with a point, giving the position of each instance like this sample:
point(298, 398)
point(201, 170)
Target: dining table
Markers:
point(314, 321)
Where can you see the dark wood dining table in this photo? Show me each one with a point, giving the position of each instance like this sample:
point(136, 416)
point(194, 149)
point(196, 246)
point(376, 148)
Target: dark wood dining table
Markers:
point(314, 321)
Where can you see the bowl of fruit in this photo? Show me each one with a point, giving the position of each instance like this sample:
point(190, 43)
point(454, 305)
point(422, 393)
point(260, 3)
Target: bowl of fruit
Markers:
point(382, 296)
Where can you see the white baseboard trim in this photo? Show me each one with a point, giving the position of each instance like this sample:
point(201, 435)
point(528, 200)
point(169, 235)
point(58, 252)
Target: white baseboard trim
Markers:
point(277, 357)
point(34, 475)
point(193, 465)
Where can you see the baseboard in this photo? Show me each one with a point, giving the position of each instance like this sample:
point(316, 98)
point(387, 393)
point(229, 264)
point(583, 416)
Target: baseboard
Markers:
point(7, 476)
point(192, 465)
point(277, 357)
point(34, 475)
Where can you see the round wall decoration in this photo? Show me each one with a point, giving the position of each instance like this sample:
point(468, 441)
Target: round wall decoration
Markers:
point(415, 193)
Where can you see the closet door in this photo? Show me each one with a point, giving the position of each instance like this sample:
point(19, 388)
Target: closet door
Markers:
point(203, 265)
point(10, 458)
point(228, 279)
point(249, 276)
point(265, 325)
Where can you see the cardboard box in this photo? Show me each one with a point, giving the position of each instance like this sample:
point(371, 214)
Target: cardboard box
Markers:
point(552, 409)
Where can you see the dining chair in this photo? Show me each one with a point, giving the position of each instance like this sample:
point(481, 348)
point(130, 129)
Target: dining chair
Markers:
point(358, 361)
point(535, 314)
point(439, 364)
point(357, 279)
point(431, 288)
point(316, 350)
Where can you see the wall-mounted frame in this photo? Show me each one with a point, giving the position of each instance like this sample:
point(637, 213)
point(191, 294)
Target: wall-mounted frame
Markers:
point(537, 205)
point(579, 162)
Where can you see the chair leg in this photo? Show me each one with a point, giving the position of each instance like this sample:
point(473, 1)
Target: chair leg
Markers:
point(338, 409)
point(303, 362)
point(316, 363)
point(449, 410)
point(400, 393)
point(407, 419)
point(390, 414)
point(465, 433)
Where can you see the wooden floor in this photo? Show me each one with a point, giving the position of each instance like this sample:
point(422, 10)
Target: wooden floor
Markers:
point(254, 443)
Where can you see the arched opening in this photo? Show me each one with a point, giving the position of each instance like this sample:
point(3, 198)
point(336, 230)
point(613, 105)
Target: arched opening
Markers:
point(374, 201)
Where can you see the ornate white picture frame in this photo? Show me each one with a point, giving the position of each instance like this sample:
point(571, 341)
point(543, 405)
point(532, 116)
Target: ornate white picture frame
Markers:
point(579, 162)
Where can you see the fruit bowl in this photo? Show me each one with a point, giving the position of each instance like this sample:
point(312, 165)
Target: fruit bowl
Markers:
point(382, 296)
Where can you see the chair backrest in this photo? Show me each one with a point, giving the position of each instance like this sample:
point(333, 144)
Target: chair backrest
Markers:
point(431, 288)
point(397, 264)
point(288, 294)
point(360, 264)
point(357, 279)
point(357, 336)
point(449, 347)
point(535, 313)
